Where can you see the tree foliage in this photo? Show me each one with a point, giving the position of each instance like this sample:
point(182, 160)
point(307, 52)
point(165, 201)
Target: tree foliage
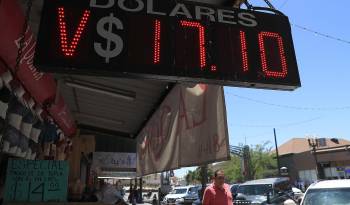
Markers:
point(194, 177)
point(262, 164)
point(263, 161)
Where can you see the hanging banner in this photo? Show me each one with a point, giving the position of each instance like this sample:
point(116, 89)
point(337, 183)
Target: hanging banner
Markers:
point(63, 117)
point(41, 86)
point(188, 129)
point(36, 181)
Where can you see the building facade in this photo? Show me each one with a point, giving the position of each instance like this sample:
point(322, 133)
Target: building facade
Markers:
point(332, 157)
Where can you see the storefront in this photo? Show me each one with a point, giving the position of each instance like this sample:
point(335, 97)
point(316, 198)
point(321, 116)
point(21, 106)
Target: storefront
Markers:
point(61, 120)
point(333, 159)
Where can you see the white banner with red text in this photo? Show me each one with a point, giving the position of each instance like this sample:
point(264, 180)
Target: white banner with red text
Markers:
point(188, 129)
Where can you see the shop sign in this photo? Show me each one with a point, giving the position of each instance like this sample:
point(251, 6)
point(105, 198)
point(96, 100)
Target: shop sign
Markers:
point(114, 161)
point(340, 169)
point(167, 40)
point(36, 181)
point(119, 175)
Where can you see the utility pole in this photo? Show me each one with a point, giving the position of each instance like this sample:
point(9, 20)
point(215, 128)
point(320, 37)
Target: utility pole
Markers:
point(204, 179)
point(247, 166)
point(313, 144)
point(277, 155)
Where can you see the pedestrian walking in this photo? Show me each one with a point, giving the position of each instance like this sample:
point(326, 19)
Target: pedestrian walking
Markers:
point(218, 193)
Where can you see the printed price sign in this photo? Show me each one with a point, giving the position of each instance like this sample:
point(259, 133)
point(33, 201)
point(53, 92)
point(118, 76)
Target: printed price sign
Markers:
point(36, 181)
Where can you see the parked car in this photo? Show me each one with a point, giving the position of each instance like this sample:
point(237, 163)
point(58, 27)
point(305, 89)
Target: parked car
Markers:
point(335, 192)
point(234, 188)
point(178, 195)
point(264, 191)
point(194, 194)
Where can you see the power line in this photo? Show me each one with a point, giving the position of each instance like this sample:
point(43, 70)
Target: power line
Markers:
point(291, 106)
point(262, 134)
point(280, 125)
point(321, 34)
point(310, 30)
point(316, 32)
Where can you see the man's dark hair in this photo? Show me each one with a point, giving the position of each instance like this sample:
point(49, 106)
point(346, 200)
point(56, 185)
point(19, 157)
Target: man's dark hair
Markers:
point(217, 171)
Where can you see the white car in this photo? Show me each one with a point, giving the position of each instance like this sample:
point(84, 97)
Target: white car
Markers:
point(329, 192)
point(298, 194)
point(177, 196)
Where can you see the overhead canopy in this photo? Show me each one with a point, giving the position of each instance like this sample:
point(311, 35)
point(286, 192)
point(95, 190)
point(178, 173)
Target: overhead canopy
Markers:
point(112, 106)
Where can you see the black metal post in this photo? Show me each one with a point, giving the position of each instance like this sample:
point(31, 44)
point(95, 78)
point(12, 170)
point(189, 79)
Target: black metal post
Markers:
point(313, 145)
point(204, 179)
point(141, 189)
point(277, 155)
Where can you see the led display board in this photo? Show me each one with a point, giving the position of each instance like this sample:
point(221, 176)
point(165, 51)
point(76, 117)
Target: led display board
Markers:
point(167, 40)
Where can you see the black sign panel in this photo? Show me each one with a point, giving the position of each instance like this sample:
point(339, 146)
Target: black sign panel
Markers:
point(167, 40)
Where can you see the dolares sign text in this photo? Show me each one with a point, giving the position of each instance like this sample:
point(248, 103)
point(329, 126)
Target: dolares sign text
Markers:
point(167, 40)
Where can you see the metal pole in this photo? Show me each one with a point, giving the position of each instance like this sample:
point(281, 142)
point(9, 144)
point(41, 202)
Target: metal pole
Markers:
point(277, 155)
point(204, 179)
point(141, 183)
point(317, 170)
point(313, 144)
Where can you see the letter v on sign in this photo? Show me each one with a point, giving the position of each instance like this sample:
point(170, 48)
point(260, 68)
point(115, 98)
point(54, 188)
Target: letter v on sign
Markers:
point(69, 50)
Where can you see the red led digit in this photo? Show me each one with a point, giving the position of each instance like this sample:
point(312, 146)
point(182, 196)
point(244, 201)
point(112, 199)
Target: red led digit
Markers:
point(244, 51)
point(266, 70)
point(201, 36)
point(156, 54)
point(69, 50)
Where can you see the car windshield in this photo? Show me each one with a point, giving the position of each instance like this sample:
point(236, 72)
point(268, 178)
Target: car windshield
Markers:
point(256, 189)
point(339, 196)
point(179, 191)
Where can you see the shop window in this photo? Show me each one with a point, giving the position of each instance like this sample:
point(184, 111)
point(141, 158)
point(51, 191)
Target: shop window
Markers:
point(308, 176)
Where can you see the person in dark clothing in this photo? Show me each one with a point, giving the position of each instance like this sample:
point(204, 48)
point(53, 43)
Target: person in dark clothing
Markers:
point(132, 196)
point(154, 201)
point(139, 196)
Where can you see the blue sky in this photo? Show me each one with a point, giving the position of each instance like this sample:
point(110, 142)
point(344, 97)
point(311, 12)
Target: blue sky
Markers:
point(322, 104)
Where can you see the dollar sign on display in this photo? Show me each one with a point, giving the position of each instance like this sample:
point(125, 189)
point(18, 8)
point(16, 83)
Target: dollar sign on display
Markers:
point(106, 32)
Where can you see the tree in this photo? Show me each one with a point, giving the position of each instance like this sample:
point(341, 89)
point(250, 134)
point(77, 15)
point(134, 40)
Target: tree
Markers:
point(194, 177)
point(262, 164)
